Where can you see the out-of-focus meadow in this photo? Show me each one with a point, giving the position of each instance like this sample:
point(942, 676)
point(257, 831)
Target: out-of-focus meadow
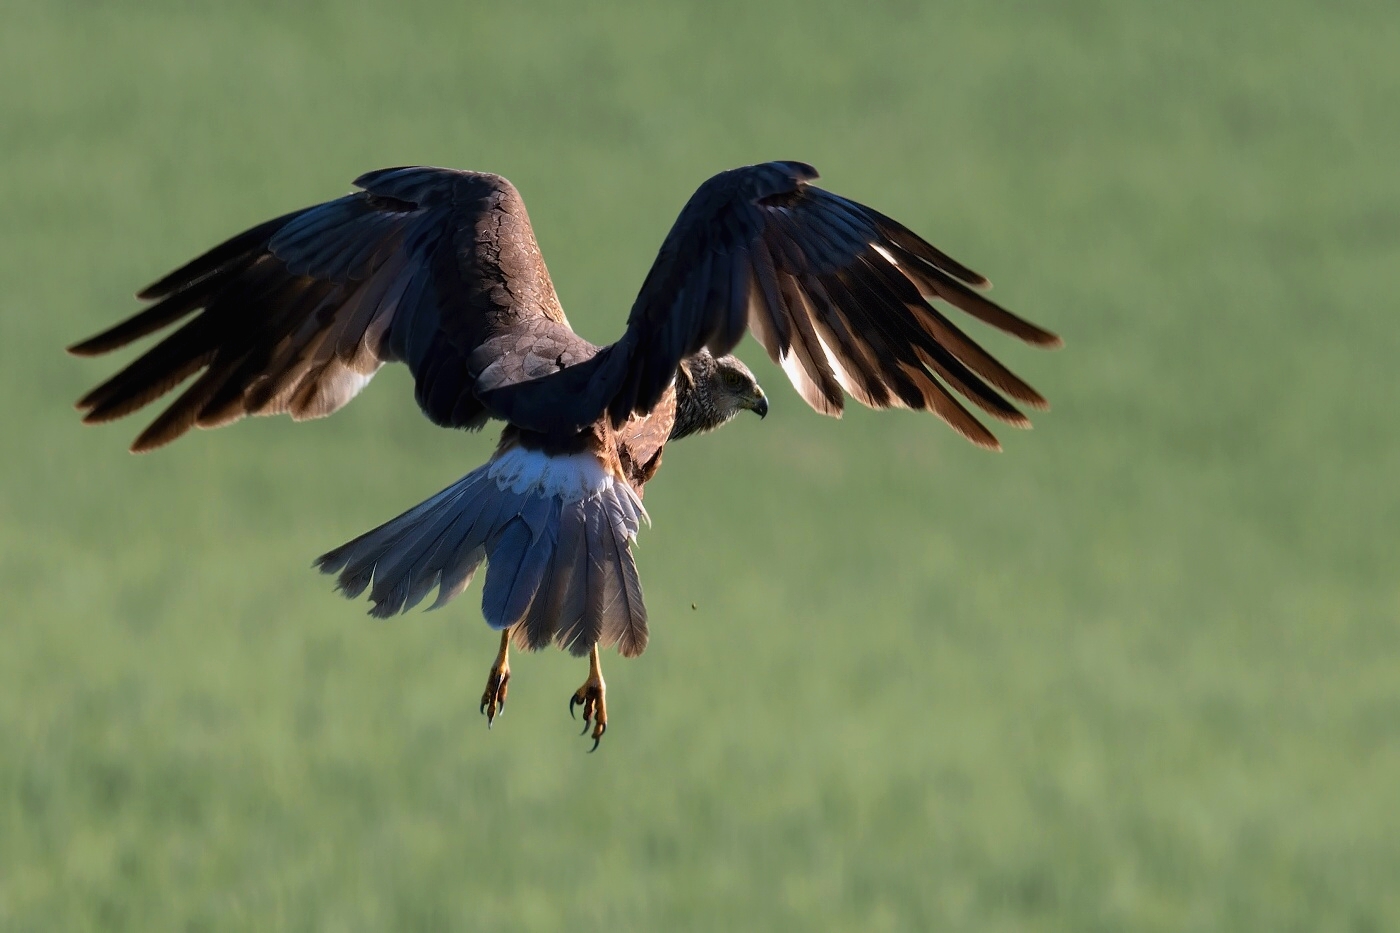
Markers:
point(1141, 671)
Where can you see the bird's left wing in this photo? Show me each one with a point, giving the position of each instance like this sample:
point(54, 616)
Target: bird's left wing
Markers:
point(434, 267)
point(839, 294)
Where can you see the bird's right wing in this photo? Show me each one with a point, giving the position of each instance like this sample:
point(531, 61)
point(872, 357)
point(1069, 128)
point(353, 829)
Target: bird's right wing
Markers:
point(424, 265)
point(841, 296)
point(838, 294)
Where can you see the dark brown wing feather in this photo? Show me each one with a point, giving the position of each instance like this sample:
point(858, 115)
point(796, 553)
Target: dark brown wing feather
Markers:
point(838, 293)
point(424, 266)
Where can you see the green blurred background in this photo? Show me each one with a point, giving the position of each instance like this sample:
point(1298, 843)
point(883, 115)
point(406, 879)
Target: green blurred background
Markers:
point(1140, 672)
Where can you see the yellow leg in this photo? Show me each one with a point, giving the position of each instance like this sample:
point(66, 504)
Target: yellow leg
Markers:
point(493, 701)
point(590, 697)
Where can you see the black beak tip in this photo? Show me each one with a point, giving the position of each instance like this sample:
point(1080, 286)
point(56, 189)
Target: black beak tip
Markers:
point(761, 408)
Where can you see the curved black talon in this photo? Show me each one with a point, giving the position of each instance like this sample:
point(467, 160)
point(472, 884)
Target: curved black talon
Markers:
point(591, 697)
point(587, 713)
point(493, 700)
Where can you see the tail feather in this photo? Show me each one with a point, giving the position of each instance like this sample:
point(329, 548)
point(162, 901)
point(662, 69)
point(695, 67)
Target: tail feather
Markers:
point(458, 576)
point(555, 533)
point(416, 562)
point(424, 546)
point(357, 560)
point(452, 564)
point(533, 566)
point(571, 628)
point(510, 547)
point(601, 593)
point(623, 617)
point(558, 604)
point(519, 555)
point(632, 634)
point(447, 564)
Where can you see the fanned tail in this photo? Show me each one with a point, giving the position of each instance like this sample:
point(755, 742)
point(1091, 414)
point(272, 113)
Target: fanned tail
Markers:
point(555, 533)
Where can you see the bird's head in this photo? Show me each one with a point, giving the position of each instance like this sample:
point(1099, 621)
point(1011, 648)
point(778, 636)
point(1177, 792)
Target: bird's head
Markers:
point(711, 391)
point(736, 389)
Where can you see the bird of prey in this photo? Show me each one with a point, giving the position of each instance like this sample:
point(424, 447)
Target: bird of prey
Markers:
point(439, 269)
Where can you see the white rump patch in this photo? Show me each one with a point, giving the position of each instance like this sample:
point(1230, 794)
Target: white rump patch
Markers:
point(571, 478)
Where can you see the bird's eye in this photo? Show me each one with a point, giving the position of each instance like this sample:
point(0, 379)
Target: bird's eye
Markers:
point(733, 379)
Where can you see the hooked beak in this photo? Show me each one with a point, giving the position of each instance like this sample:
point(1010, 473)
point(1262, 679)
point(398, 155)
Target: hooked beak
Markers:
point(759, 406)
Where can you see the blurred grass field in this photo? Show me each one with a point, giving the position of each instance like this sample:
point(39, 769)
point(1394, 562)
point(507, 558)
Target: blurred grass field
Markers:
point(1140, 672)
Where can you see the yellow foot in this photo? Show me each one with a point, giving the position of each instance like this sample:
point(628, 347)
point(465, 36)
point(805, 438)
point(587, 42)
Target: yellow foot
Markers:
point(493, 700)
point(591, 697)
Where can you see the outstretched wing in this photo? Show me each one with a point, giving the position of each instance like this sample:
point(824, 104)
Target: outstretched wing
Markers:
point(838, 293)
point(424, 265)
